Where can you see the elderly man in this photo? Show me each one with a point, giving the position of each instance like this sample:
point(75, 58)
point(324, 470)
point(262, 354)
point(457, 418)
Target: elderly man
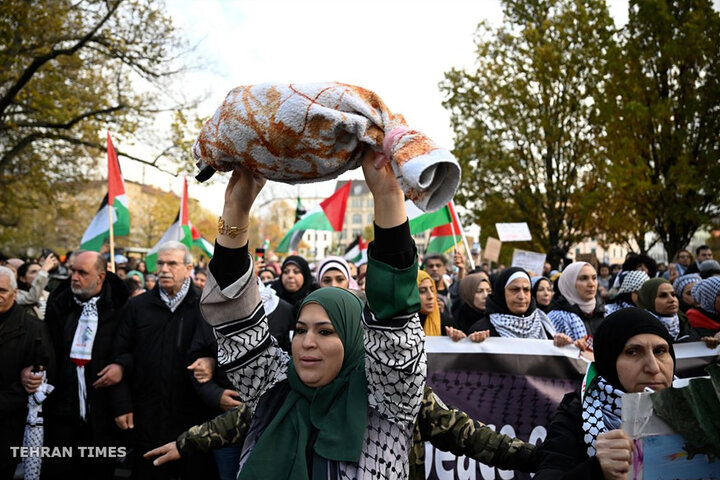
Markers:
point(23, 342)
point(82, 318)
point(157, 398)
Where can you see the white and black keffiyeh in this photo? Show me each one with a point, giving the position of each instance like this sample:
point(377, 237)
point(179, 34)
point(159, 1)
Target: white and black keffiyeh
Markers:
point(172, 303)
point(614, 307)
point(530, 326)
point(34, 434)
point(602, 411)
point(81, 349)
point(671, 323)
point(633, 281)
point(681, 282)
point(568, 323)
point(705, 293)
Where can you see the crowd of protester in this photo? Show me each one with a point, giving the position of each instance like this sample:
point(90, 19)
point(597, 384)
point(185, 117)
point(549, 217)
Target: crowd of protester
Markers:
point(132, 358)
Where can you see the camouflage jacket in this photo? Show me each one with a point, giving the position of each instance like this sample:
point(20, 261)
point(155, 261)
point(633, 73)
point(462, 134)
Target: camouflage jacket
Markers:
point(451, 430)
point(229, 428)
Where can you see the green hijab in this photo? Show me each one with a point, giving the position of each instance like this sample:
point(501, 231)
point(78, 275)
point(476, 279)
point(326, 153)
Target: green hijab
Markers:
point(338, 410)
point(648, 292)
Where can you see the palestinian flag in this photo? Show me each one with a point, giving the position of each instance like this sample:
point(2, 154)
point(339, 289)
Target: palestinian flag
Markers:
point(116, 201)
point(442, 238)
point(421, 221)
point(356, 252)
point(329, 215)
point(200, 242)
point(180, 231)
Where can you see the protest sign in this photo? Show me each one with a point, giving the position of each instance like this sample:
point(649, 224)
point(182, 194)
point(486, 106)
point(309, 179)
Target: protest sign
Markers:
point(492, 249)
point(513, 232)
point(530, 261)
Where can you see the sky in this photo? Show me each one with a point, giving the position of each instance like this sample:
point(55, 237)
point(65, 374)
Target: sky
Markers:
point(398, 48)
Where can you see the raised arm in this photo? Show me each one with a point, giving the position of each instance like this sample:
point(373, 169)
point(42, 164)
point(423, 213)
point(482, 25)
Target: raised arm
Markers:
point(231, 301)
point(394, 340)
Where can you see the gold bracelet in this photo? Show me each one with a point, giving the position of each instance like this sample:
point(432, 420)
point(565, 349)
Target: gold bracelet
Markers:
point(232, 232)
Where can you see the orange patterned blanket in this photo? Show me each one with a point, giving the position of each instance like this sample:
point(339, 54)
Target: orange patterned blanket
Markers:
point(310, 132)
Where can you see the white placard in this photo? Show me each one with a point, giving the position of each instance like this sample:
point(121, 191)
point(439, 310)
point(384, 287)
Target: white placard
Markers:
point(530, 261)
point(513, 232)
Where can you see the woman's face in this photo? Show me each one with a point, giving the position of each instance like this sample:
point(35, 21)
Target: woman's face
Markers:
point(149, 283)
point(31, 273)
point(544, 294)
point(200, 280)
point(666, 302)
point(645, 361)
point(687, 294)
point(586, 283)
point(292, 278)
point(517, 296)
point(334, 278)
point(317, 350)
point(427, 296)
point(266, 276)
point(717, 303)
point(481, 294)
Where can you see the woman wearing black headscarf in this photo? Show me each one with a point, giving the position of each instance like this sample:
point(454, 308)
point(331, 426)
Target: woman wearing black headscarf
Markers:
point(633, 353)
point(296, 281)
point(511, 311)
point(542, 291)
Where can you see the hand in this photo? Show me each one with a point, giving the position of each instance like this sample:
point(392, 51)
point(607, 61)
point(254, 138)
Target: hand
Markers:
point(455, 334)
point(560, 340)
point(480, 336)
point(110, 375)
point(459, 261)
point(50, 263)
point(240, 193)
point(167, 452)
point(710, 342)
point(29, 380)
point(672, 273)
point(388, 197)
point(259, 265)
point(203, 369)
point(229, 400)
point(614, 451)
point(125, 421)
point(581, 343)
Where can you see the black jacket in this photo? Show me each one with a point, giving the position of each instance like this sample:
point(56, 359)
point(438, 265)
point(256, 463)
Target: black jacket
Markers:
point(155, 346)
point(18, 349)
point(61, 316)
point(564, 453)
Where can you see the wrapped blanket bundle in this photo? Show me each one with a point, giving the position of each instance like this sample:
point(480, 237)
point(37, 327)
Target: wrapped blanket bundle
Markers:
point(312, 132)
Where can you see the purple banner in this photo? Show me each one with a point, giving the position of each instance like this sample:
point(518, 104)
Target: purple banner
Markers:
point(514, 386)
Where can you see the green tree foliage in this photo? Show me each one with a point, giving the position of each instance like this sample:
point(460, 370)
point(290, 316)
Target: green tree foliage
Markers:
point(661, 114)
point(70, 70)
point(521, 120)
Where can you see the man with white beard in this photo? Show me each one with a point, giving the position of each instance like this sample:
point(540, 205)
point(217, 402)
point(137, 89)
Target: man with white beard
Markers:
point(82, 318)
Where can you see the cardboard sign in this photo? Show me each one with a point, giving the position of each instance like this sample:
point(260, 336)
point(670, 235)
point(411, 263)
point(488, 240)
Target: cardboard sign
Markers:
point(492, 249)
point(513, 232)
point(530, 261)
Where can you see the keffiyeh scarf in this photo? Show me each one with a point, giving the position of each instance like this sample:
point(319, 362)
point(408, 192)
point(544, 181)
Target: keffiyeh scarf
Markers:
point(531, 326)
point(172, 303)
point(81, 349)
point(671, 323)
point(602, 411)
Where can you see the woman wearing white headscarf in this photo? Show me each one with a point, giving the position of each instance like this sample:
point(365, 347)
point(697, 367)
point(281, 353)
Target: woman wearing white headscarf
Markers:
point(335, 272)
point(576, 312)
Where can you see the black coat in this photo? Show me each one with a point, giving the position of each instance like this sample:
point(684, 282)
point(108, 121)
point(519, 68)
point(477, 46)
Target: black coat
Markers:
point(61, 316)
point(155, 346)
point(564, 453)
point(18, 349)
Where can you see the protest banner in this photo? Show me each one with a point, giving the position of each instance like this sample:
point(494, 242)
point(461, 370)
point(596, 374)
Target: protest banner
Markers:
point(513, 232)
point(514, 385)
point(492, 249)
point(532, 262)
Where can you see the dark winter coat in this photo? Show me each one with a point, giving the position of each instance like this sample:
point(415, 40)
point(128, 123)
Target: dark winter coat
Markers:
point(18, 349)
point(61, 316)
point(154, 346)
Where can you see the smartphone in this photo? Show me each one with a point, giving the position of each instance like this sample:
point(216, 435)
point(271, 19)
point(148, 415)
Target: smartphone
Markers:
point(259, 254)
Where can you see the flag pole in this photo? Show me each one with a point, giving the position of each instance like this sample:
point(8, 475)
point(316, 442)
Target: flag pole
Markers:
point(464, 240)
point(110, 219)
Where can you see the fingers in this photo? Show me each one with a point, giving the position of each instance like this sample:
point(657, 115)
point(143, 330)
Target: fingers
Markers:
point(125, 421)
point(480, 336)
point(155, 452)
point(194, 365)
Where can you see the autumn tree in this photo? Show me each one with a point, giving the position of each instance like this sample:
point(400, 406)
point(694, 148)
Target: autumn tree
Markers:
point(521, 119)
point(661, 115)
point(70, 71)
